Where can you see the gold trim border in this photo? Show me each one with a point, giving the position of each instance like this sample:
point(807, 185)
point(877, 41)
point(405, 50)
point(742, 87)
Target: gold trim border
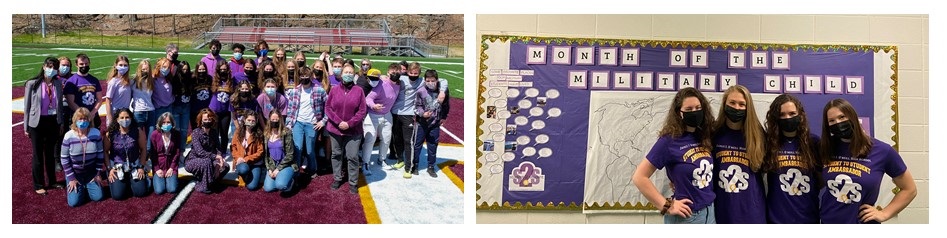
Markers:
point(650, 43)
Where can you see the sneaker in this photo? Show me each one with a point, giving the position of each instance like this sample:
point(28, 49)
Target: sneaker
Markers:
point(430, 171)
point(335, 185)
point(398, 165)
point(414, 171)
point(353, 189)
point(367, 171)
point(407, 175)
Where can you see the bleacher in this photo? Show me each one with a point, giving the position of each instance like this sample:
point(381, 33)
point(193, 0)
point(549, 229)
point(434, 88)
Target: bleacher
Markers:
point(373, 36)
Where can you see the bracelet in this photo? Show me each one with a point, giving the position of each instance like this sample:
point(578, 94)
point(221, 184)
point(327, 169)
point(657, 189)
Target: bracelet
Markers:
point(667, 205)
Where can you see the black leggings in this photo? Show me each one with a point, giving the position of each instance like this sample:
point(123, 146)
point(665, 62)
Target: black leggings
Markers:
point(223, 126)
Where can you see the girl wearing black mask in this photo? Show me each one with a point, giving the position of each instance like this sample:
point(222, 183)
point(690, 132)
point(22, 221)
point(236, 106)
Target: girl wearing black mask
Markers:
point(249, 69)
point(265, 71)
point(201, 92)
point(220, 102)
point(854, 165)
point(289, 77)
point(738, 155)
point(182, 86)
point(683, 150)
point(791, 164)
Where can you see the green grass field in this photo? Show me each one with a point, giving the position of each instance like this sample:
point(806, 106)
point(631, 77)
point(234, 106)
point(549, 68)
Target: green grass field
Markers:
point(28, 58)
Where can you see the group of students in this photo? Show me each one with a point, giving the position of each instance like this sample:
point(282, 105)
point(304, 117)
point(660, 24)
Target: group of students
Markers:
point(272, 122)
point(735, 170)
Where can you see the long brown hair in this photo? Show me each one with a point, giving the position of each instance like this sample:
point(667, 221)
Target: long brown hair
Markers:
point(774, 133)
point(280, 130)
point(227, 77)
point(860, 144)
point(256, 133)
point(261, 75)
point(114, 72)
point(674, 124)
point(752, 130)
point(144, 81)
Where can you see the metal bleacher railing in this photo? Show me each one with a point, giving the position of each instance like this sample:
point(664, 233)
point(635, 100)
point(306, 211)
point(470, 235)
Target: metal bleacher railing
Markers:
point(373, 36)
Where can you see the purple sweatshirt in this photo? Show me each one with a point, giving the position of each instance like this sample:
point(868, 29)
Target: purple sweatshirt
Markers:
point(346, 103)
point(82, 156)
point(162, 96)
point(384, 94)
point(211, 62)
point(267, 105)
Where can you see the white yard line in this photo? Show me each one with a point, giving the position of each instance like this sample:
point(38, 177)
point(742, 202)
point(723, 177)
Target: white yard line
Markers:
point(452, 135)
point(188, 53)
point(168, 213)
point(18, 123)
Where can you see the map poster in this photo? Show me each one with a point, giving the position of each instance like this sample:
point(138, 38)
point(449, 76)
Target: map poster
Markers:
point(563, 123)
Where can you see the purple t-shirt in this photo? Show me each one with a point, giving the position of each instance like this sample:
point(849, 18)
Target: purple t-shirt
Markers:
point(689, 167)
point(84, 89)
point(276, 149)
point(162, 96)
point(739, 189)
point(851, 182)
point(333, 80)
point(220, 101)
point(793, 191)
point(267, 104)
point(120, 96)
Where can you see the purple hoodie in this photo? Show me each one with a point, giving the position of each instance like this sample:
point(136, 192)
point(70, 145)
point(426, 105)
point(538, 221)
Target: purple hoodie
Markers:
point(211, 62)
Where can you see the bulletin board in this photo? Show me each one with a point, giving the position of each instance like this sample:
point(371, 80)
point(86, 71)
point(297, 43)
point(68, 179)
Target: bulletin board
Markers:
point(562, 123)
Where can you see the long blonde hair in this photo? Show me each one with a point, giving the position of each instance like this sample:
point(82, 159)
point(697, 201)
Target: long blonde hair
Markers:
point(752, 129)
point(114, 72)
point(144, 81)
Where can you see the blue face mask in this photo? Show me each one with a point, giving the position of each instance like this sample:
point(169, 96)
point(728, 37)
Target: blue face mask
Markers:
point(164, 71)
point(122, 70)
point(49, 72)
point(270, 91)
point(238, 56)
point(63, 70)
point(124, 123)
point(263, 52)
point(82, 124)
point(348, 78)
point(166, 127)
point(336, 71)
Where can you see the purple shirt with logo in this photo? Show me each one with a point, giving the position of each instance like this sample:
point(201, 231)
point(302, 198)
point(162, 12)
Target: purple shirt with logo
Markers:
point(793, 191)
point(739, 189)
point(162, 96)
point(84, 89)
point(689, 167)
point(220, 101)
point(851, 182)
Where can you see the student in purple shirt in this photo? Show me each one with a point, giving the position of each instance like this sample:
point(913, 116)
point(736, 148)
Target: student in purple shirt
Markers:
point(791, 164)
point(125, 150)
point(164, 155)
point(84, 90)
point(683, 148)
point(250, 75)
point(82, 160)
point(854, 165)
point(118, 94)
point(320, 74)
point(738, 155)
point(261, 49)
point(212, 59)
point(202, 92)
point(378, 123)
point(336, 74)
point(237, 62)
point(223, 87)
point(163, 96)
point(41, 120)
point(270, 99)
point(346, 109)
point(280, 164)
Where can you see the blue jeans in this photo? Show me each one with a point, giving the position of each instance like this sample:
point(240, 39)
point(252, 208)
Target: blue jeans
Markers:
point(430, 133)
point(252, 175)
point(182, 119)
point(304, 138)
point(162, 185)
point(146, 120)
point(282, 182)
point(119, 188)
point(84, 190)
point(704, 216)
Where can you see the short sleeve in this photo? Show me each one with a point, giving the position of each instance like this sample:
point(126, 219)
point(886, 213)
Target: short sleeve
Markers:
point(894, 164)
point(659, 152)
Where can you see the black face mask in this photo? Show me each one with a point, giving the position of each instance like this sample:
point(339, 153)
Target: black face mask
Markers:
point(395, 76)
point(694, 118)
point(413, 78)
point(735, 115)
point(84, 70)
point(245, 94)
point(207, 124)
point(305, 81)
point(841, 130)
point(269, 74)
point(274, 124)
point(174, 57)
point(251, 72)
point(222, 72)
point(790, 124)
point(291, 72)
point(215, 52)
point(317, 72)
point(300, 63)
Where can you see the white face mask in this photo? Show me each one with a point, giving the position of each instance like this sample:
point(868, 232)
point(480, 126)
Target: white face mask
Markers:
point(431, 85)
point(373, 83)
